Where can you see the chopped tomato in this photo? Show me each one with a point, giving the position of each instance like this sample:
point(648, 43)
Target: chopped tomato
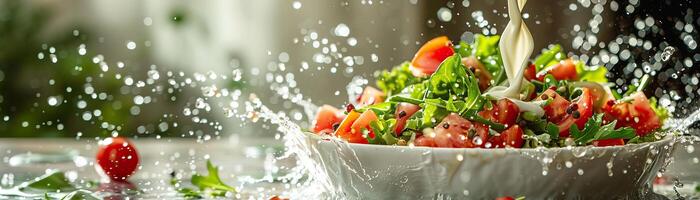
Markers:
point(483, 75)
point(370, 96)
point(457, 132)
point(505, 198)
point(511, 137)
point(556, 109)
point(361, 124)
point(581, 111)
point(326, 117)
point(608, 142)
point(504, 111)
point(636, 113)
point(564, 70)
point(345, 129)
point(530, 72)
point(403, 112)
point(430, 55)
point(425, 141)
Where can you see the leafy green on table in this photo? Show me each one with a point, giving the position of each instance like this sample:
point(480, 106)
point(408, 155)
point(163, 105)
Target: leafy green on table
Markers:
point(595, 130)
point(80, 195)
point(210, 184)
point(55, 181)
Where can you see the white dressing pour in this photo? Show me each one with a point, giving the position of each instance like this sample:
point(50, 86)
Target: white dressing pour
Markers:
point(516, 46)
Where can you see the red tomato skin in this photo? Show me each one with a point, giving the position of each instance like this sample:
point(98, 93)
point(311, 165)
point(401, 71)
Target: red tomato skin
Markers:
point(511, 137)
point(504, 111)
point(344, 130)
point(530, 72)
point(424, 141)
point(430, 55)
point(585, 110)
point(117, 158)
point(608, 142)
point(370, 96)
point(454, 132)
point(326, 117)
point(564, 70)
point(403, 112)
point(505, 198)
point(637, 114)
point(361, 124)
point(483, 75)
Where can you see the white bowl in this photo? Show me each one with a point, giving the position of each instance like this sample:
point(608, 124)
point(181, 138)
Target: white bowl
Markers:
point(397, 172)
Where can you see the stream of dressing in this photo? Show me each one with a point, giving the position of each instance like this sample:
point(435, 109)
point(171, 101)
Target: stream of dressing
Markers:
point(516, 46)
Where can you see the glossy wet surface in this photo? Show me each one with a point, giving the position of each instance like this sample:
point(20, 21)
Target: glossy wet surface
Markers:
point(244, 160)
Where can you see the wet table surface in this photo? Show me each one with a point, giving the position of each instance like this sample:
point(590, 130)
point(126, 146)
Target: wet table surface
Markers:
point(242, 159)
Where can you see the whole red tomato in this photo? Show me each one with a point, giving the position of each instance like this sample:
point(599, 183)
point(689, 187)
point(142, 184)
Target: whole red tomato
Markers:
point(117, 158)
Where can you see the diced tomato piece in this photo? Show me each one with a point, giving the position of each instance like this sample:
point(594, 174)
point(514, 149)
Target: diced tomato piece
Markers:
point(608, 142)
point(582, 110)
point(483, 75)
point(530, 72)
point(326, 117)
point(637, 114)
point(505, 198)
point(403, 112)
point(457, 132)
point(555, 110)
point(564, 70)
point(425, 141)
point(344, 131)
point(430, 55)
point(511, 137)
point(370, 96)
point(504, 111)
point(361, 124)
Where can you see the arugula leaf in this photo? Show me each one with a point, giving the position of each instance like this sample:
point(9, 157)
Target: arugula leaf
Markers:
point(449, 79)
point(488, 53)
point(592, 74)
point(593, 130)
point(394, 81)
point(80, 195)
point(548, 56)
point(212, 182)
point(463, 49)
point(51, 182)
point(433, 112)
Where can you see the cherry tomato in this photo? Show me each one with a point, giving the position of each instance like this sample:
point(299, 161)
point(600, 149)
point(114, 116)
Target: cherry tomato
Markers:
point(504, 111)
point(117, 158)
point(403, 112)
point(511, 137)
point(581, 111)
point(430, 55)
point(608, 142)
point(345, 128)
point(530, 72)
point(637, 114)
point(370, 96)
point(326, 118)
point(564, 70)
point(479, 70)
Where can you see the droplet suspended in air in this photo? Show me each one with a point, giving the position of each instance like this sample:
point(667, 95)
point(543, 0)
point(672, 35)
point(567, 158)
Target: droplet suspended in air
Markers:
point(668, 51)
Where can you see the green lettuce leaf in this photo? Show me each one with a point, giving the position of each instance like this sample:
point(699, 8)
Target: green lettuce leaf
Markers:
point(394, 81)
point(592, 74)
point(212, 182)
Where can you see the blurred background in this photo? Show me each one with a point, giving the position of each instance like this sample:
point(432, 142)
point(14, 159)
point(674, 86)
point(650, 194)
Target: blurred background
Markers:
point(137, 68)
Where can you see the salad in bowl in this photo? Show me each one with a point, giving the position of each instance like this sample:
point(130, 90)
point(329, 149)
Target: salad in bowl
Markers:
point(440, 99)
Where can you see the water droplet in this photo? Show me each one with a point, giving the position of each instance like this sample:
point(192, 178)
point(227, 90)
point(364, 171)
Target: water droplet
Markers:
point(568, 164)
point(444, 14)
point(666, 54)
point(580, 172)
point(296, 5)
point(131, 45)
point(342, 30)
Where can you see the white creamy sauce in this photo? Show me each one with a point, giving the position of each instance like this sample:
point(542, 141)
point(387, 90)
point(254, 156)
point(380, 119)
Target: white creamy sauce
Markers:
point(516, 46)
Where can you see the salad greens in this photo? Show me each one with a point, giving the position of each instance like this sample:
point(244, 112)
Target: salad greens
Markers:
point(210, 184)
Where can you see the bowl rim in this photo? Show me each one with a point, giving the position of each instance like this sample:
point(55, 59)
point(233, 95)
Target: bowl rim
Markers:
point(666, 140)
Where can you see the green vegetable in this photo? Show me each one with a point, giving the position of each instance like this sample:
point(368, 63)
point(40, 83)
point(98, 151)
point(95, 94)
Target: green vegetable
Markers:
point(51, 182)
point(488, 53)
point(594, 131)
point(592, 74)
point(661, 112)
point(464, 49)
point(433, 112)
point(392, 82)
point(449, 79)
point(212, 182)
point(551, 55)
point(80, 195)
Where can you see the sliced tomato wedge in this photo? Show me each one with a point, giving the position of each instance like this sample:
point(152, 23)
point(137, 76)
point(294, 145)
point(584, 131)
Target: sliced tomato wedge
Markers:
point(326, 117)
point(457, 132)
point(556, 110)
point(608, 142)
point(430, 55)
point(564, 70)
point(370, 96)
point(403, 112)
point(581, 111)
point(361, 124)
point(425, 141)
point(636, 113)
point(511, 137)
point(504, 111)
point(344, 130)
point(479, 70)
